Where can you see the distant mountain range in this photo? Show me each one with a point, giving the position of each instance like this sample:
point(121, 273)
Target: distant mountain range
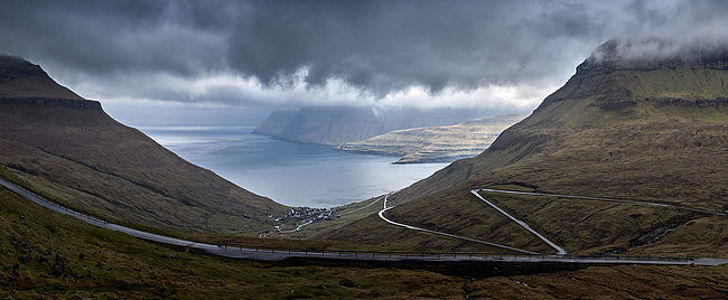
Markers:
point(336, 125)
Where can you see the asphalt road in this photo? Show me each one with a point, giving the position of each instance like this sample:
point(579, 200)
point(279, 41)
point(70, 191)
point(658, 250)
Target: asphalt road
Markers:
point(277, 255)
point(628, 201)
point(385, 208)
point(559, 250)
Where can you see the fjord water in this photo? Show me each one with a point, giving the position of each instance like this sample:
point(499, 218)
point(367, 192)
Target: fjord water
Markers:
point(294, 174)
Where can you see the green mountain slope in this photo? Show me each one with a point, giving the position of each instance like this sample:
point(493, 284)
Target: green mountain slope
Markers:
point(46, 255)
point(649, 129)
point(645, 129)
point(68, 147)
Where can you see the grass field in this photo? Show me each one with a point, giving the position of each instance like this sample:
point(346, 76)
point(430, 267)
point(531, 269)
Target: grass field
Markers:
point(47, 255)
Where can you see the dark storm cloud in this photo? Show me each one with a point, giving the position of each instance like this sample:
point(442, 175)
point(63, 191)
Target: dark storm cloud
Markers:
point(390, 45)
point(379, 47)
point(103, 37)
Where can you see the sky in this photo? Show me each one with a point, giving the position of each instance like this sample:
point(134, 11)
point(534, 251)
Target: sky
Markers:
point(172, 61)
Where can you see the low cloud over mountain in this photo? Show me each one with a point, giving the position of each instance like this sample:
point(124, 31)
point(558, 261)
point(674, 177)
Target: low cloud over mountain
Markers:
point(272, 53)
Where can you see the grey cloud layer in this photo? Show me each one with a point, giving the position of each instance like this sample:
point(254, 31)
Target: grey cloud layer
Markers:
point(384, 46)
point(377, 46)
point(102, 37)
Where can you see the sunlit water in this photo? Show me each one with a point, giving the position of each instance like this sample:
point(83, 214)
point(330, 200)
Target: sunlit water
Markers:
point(291, 173)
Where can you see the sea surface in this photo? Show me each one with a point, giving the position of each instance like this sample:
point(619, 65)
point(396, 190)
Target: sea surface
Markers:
point(294, 174)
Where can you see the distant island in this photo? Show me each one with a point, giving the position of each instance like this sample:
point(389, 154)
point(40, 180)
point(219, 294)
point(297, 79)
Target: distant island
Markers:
point(417, 135)
point(437, 143)
point(336, 125)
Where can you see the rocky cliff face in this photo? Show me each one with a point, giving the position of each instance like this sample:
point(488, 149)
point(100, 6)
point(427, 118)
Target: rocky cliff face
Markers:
point(276, 123)
point(66, 146)
point(338, 125)
point(22, 80)
point(438, 143)
point(614, 78)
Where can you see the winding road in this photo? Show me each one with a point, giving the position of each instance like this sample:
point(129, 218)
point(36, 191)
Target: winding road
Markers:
point(559, 250)
point(277, 254)
point(385, 208)
point(627, 201)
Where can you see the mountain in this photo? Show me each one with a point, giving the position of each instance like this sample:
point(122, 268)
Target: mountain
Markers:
point(63, 145)
point(438, 143)
point(652, 126)
point(645, 128)
point(335, 125)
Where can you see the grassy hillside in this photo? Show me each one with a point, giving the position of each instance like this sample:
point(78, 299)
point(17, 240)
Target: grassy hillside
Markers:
point(68, 147)
point(651, 131)
point(48, 255)
point(655, 130)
